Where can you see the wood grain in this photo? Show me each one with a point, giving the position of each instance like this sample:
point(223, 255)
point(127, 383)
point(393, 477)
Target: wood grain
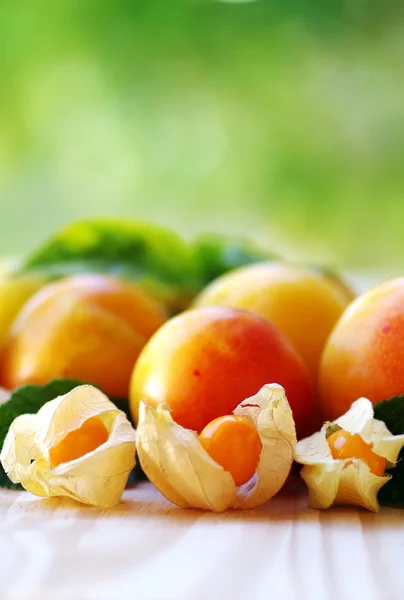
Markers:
point(148, 549)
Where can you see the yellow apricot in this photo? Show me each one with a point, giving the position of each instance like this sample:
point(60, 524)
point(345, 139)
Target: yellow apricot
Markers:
point(87, 327)
point(303, 304)
point(15, 291)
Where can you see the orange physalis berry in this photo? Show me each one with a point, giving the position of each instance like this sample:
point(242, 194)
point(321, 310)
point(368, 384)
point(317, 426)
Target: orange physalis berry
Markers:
point(233, 442)
point(79, 442)
point(347, 445)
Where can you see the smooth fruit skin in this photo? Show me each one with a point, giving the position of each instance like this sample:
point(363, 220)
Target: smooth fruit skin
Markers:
point(87, 327)
point(234, 443)
point(364, 355)
point(303, 304)
point(206, 361)
point(15, 291)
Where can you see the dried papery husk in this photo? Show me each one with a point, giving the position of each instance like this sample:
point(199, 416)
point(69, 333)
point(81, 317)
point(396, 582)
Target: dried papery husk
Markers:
point(97, 478)
point(175, 461)
point(347, 481)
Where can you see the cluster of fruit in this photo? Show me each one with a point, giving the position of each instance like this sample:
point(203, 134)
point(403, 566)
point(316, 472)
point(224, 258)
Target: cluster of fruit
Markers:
point(267, 322)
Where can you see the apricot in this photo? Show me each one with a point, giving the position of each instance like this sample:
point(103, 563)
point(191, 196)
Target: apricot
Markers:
point(88, 327)
point(204, 362)
point(303, 304)
point(364, 355)
point(15, 291)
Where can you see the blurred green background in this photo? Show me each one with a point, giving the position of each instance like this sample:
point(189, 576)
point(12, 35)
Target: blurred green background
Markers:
point(283, 121)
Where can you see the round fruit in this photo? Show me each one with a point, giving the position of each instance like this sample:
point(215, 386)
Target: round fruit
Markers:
point(233, 442)
point(347, 445)
point(79, 442)
point(204, 362)
point(365, 352)
point(304, 305)
point(88, 327)
point(15, 291)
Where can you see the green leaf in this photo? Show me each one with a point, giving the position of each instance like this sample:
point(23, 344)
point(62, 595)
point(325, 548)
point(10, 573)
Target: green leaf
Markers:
point(28, 399)
point(216, 254)
point(168, 268)
point(152, 256)
point(392, 413)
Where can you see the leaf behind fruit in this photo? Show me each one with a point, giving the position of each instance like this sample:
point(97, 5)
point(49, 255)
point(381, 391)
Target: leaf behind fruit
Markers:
point(152, 256)
point(216, 254)
point(168, 268)
point(391, 412)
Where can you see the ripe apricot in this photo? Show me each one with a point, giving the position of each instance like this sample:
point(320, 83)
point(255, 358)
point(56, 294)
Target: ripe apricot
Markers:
point(205, 361)
point(304, 304)
point(234, 443)
point(89, 327)
point(365, 352)
point(347, 445)
point(15, 291)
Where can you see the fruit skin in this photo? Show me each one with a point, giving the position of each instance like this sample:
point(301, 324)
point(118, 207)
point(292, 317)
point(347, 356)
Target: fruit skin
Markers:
point(206, 361)
point(302, 304)
point(87, 327)
point(15, 291)
point(364, 354)
point(234, 443)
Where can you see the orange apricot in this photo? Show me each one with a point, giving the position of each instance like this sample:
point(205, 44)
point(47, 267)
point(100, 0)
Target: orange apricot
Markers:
point(205, 361)
point(302, 303)
point(88, 327)
point(347, 445)
point(233, 442)
point(364, 354)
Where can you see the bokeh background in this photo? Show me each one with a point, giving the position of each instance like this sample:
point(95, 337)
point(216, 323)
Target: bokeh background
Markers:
point(282, 121)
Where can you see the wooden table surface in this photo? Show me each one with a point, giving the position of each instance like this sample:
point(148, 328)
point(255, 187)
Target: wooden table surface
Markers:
point(148, 549)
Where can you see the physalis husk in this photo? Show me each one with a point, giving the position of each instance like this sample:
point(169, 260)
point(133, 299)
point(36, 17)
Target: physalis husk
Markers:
point(175, 461)
point(78, 445)
point(354, 479)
